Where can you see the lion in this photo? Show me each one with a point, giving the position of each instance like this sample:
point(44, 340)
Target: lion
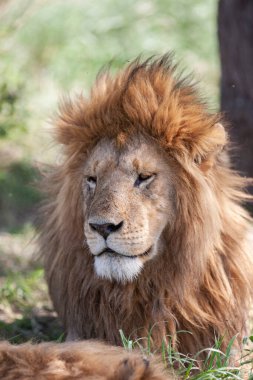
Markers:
point(78, 360)
point(142, 228)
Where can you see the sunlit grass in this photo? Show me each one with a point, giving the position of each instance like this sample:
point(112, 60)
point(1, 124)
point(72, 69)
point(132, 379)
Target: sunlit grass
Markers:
point(21, 291)
point(217, 364)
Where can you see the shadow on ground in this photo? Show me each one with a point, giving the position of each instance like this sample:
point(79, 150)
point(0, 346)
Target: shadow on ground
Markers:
point(26, 312)
point(19, 197)
point(38, 327)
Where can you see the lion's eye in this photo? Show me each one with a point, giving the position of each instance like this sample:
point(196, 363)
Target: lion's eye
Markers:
point(144, 179)
point(92, 181)
point(197, 160)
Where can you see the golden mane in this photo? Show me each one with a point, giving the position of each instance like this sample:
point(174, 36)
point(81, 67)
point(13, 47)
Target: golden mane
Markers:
point(202, 282)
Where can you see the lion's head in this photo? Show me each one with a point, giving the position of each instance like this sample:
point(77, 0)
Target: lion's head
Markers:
point(143, 221)
point(129, 197)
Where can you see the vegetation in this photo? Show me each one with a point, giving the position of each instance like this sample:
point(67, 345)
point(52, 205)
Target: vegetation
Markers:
point(49, 48)
point(216, 365)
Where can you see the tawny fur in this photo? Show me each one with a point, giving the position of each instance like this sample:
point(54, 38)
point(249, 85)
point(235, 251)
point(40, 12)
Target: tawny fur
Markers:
point(202, 280)
point(83, 360)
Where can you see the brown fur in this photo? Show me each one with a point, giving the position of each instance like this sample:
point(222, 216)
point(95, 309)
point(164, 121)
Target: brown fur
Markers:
point(202, 280)
point(82, 360)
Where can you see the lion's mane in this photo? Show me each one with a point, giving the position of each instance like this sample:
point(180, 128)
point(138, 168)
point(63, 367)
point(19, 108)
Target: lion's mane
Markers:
point(202, 281)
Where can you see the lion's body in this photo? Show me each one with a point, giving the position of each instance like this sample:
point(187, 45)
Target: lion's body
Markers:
point(198, 277)
point(76, 361)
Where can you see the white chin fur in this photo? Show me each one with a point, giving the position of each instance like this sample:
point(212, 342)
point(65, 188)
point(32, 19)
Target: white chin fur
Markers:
point(121, 269)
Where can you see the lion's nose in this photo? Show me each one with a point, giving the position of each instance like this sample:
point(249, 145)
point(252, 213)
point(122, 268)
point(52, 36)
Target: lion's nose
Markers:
point(105, 229)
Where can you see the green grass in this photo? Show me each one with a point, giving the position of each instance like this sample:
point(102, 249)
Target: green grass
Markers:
point(26, 310)
point(20, 291)
point(216, 365)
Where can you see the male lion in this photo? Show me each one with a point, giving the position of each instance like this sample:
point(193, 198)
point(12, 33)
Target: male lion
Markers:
point(143, 228)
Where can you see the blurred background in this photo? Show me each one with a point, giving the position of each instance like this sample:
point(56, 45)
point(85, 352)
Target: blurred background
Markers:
point(49, 48)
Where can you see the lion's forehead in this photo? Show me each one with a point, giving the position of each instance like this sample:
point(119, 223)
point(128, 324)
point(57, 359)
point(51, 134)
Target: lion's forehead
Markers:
point(136, 156)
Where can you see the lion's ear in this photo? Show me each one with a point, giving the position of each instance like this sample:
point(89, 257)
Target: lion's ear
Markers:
point(218, 136)
point(215, 142)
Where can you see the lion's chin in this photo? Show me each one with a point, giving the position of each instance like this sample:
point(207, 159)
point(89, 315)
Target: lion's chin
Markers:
point(121, 269)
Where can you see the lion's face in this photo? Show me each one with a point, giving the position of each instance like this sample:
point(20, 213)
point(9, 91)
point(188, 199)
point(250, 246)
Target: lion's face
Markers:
point(128, 201)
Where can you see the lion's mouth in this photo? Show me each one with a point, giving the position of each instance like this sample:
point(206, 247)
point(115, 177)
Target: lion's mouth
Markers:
point(112, 253)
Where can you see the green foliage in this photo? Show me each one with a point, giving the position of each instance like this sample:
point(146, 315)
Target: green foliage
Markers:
point(11, 116)
point(66, 42)
point(18, 194)
point(20, 291)
point(19, 294)
point(49, 47)
point(216, 365)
